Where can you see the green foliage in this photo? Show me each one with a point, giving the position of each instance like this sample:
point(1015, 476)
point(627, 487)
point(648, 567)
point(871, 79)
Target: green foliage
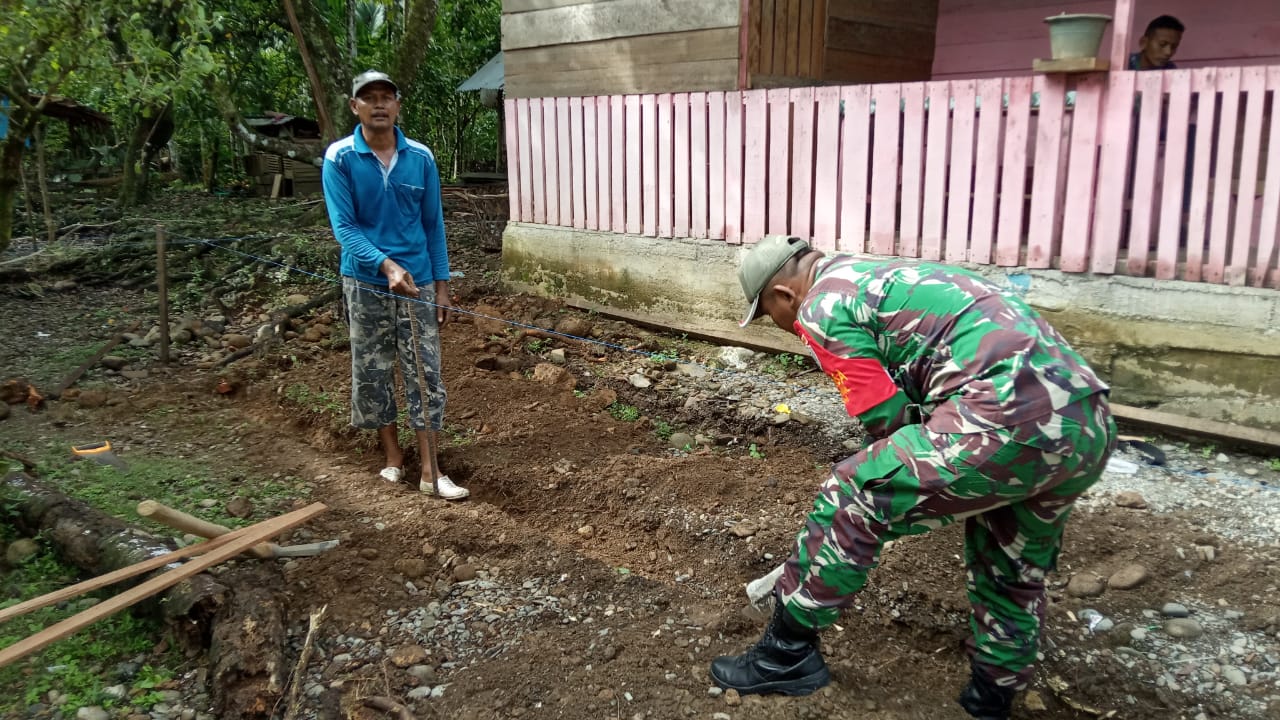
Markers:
point(756, 452)
point(663, 429)
point(787, 364)
point(1274, 464)
point(1208, 451)
point(624, 412)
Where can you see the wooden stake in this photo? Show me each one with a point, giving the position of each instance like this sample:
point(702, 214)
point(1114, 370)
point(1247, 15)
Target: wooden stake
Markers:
point(179, 520)
point(162, 288)
point(111, 578)
point(84, 367)
point(245, 539)
point(42, 176)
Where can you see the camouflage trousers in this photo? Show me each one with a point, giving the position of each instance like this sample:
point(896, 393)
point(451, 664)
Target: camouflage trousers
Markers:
point(1014, 499)
point(381, 334)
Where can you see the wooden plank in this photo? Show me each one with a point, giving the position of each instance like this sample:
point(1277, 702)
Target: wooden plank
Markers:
point(551, 156)
point(698, 159)
point(591, 163)
point(854, 165)
point(1121, 31)
point(987, 164)
point(804, 40)
point(682, 133)
point(933, 209)
point(511, 130)
point(1146, 157)
point(649, 164)
point(538, 162)
point(791, 31)
point(754, 164)
point(1204, 84)
point(860, 67)
point(826, 168)
point(1223, 174)
point(1175, 164)
point(516, 6)
point(1112, 172)
point(884, 167)
point(768, 11)
point(917, 13)
point(898, 41)
point(734, 173)
point(818, 42)
point(1253, 84)
point(628, 52)
point(1082, 174)
point(913, 117)
point(634, 147)
point(616, 18)
point(618, 156)
point(564, 147)
point(666, 156)
point(1044, 185)
point(1009, 231)
point(716, 156)
point(577, 190)
point(960, 187)
point(1269, 222)
point(247, 538)
point(1070, 65)
point(748, 41)
point(1265, 440)
point(115, 576)
point(640, 79)
point(779, 172)
point(803, 110)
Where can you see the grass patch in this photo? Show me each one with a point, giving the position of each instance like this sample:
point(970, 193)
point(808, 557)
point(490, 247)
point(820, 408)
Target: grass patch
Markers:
point(83, 665)
point(624, 412)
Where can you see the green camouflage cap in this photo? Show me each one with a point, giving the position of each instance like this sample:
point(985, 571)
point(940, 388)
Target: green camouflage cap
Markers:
point(762, 263)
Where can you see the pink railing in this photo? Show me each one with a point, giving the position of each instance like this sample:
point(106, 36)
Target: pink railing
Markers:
point(1171, 174)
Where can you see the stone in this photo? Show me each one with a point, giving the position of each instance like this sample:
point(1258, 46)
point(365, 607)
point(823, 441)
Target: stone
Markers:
point(681, 440)
point(732, 698)
point(599, 400)
point(296, 299)
point(237, 340)
point(1206, 552)
point(369, 553)
point(1131, 499)
point(508, 364)
point(1234, 676)
point(424, 674)
point(428, 550)
point(1184, 628)
point(744, 529)
point(116, 692)
point(89, 399)
point(1138, 634)
point(639, 381)
point(207, 503)
point(692, 370)
point(1034, 702)
point(1175, 610)
point(135, 374)
point(239, 507)
point(411, 568)
point(587, 531)
point(557, 356)
point(422, 692)
point(1222, 458)
point(65, 285)
point(464, 573)
point(315, 333)
point(92, 712)
point(1104, 625)
point(575, 326)
point(407, 656)
point(488, 320)
point(437, 691)
point(20, 551)
point(1128, 577)
point(550, 374)
point(1085, 585)
point(113, 362)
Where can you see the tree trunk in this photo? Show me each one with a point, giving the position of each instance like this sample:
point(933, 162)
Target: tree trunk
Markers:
point(10, 178)
point(352, 45)
point(415, 42)
point(328, 70)
point(248, 644)
point(42, 177)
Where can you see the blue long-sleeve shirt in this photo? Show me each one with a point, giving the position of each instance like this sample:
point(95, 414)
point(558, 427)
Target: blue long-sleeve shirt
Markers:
point(379, 213)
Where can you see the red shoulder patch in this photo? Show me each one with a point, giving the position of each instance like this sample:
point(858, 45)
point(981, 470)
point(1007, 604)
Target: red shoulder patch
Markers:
point(863, 383)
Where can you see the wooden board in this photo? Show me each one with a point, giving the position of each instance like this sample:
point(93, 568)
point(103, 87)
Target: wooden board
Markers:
point(249, 537)
point(1070, 65)
point(626, 52)
point(617, 18)
point(516, 6)
point(676, 77)
point(1267, 440)
point(851, 66)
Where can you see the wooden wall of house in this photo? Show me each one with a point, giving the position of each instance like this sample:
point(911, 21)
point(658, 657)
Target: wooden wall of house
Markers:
point(559, 48)
point(987, 38)
point(870, 41)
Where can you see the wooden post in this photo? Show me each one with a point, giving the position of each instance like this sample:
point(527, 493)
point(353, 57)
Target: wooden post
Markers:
point(1121, 31)
point(42, 176)
point(162, 288)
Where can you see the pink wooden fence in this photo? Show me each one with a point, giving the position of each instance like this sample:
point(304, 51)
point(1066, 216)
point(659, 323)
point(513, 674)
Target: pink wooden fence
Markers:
point(1174, 174)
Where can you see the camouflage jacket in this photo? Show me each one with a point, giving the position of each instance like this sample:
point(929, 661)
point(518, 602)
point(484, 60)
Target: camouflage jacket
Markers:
point(905, 342)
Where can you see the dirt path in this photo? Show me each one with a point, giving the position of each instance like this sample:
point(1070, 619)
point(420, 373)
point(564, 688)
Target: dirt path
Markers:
point(597, 570)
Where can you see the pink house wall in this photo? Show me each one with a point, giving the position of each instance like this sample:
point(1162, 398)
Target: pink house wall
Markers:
point(986, 38)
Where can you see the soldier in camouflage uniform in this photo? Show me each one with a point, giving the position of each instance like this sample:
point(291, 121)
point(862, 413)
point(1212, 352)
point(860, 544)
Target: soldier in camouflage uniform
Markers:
point(978, 411)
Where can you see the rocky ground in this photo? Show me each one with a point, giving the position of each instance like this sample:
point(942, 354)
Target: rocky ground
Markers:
point(622, 496)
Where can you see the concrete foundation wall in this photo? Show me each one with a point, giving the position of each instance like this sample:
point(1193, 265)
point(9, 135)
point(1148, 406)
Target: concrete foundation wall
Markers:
point(1196, 349)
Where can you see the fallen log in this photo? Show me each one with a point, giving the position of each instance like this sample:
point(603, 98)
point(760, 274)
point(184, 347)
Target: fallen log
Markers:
point(247, 646)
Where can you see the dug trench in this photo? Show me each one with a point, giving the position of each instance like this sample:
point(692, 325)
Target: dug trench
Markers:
point(596, 570)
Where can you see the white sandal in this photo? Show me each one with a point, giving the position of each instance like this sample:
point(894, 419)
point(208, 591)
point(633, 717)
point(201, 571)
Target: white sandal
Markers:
point(392, 474)
point(448, 490)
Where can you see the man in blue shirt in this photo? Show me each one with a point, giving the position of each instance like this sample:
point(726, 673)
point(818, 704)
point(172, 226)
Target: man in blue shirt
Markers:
point(382, 191)
point(1158, 45)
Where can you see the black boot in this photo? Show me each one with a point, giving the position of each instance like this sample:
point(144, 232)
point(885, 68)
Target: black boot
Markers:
point(985, 700)
point(785, 661)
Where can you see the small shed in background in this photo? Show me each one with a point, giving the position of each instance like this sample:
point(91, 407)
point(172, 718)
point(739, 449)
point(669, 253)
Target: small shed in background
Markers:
point(275, 176)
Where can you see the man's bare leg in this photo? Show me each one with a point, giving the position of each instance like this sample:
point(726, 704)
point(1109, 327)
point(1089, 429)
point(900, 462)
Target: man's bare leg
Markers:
point(390, 441)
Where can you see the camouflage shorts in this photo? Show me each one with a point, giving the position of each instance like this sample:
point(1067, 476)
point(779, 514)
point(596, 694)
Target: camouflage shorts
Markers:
point(1013, 497)
point(381, 334)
